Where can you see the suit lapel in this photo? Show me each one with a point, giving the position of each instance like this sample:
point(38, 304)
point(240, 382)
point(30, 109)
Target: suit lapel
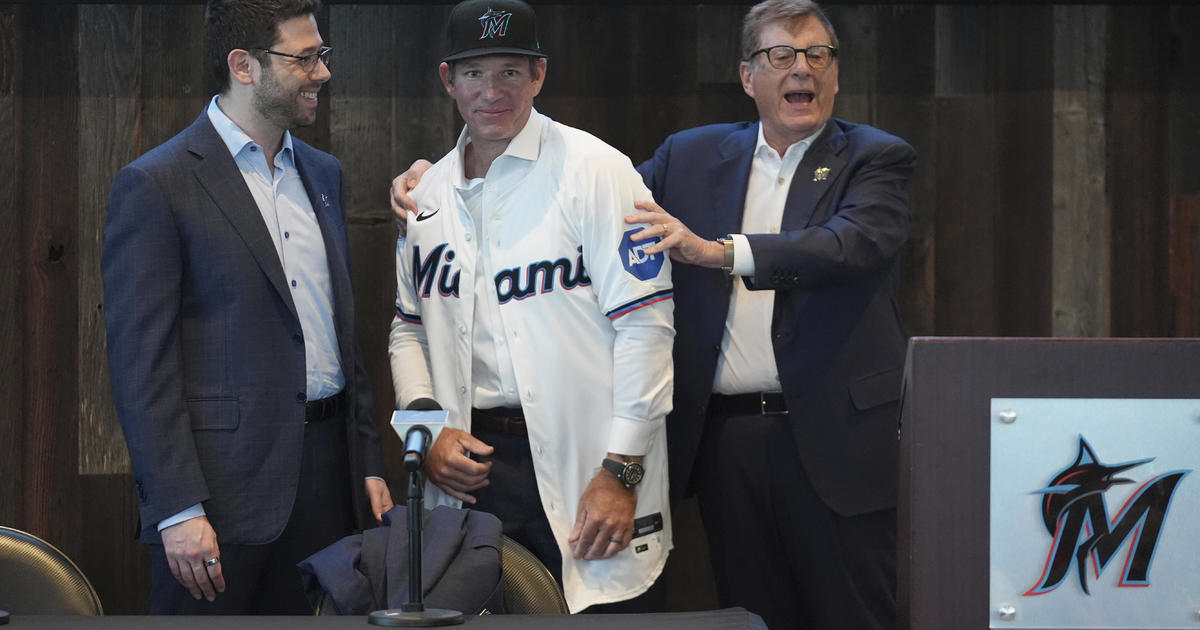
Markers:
point(219, 175)
point(821, 166)
point(728, 179)
point(325, 203)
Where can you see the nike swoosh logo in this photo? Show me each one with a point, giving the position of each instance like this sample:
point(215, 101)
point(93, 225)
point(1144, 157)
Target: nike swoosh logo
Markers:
point(423, 216)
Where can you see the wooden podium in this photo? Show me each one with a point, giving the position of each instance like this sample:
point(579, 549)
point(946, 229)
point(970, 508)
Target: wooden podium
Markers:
point(943, 512)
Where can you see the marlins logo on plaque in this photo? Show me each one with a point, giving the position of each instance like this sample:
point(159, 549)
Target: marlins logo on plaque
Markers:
point(1075, 513)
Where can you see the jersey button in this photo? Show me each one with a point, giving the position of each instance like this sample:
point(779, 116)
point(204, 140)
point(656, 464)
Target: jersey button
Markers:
point(468, 237)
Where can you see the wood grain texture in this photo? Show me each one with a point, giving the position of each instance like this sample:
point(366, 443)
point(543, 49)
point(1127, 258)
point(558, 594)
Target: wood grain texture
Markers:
point(905, 106)
point(12, 277)
point(966, 177)
point(109, 64)
point(48, 196)
point(1183, 273)
point(1081, 296)
point(1022, 39)
point(1136, 171)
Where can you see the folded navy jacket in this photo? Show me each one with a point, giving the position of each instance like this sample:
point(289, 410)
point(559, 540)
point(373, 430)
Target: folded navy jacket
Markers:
point(369, 571)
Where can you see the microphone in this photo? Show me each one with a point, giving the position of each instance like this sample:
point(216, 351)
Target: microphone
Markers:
point(419, 423)
point(416, 447)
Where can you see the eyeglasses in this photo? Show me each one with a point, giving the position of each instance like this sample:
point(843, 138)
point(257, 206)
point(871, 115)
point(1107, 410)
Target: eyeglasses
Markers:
point(306, 62)
point(782, 57)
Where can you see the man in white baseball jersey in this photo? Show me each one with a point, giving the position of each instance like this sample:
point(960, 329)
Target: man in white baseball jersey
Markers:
point(525, 309)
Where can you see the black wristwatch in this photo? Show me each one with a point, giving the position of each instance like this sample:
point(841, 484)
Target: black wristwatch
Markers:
point(628, 473)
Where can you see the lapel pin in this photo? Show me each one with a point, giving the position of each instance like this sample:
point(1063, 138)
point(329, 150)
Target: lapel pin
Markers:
point(821, 174)
point(325, 199)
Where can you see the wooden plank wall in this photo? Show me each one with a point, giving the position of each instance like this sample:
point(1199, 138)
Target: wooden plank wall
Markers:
point(1057, 192)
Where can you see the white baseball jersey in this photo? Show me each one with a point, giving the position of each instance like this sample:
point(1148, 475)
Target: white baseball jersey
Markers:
point(586, 316)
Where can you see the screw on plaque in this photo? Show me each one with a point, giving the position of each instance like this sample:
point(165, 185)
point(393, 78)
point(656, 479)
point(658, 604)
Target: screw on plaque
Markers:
point(1008, 416)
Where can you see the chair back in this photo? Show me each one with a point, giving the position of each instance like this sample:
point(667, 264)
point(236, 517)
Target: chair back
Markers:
point(529, 588)
point(38, 579)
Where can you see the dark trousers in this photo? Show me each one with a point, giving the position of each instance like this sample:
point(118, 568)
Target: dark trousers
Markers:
point(777, 549)
point(263, 579)
point(512, 496)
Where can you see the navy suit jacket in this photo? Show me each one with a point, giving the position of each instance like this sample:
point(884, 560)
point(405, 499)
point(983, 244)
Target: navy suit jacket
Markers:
point(205, 346)
point(839, 346)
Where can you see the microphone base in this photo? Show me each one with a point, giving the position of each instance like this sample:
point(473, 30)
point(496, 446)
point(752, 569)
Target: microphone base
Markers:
point(399, 618)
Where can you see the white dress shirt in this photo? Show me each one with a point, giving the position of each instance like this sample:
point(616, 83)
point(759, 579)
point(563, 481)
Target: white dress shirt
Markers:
point(747, 360)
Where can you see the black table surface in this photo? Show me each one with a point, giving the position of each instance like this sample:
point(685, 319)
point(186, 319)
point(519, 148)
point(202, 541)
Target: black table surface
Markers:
point(727, 619)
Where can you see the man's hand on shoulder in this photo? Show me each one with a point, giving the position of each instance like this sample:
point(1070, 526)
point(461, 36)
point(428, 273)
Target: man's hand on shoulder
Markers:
point(402, 204)
point(190, 547)
point(684, 245)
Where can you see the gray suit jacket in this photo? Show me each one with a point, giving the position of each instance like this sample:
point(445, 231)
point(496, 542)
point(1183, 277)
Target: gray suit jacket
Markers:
point(205, 346)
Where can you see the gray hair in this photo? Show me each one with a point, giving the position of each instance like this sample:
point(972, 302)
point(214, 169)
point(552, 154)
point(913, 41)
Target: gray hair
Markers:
point(788, 11)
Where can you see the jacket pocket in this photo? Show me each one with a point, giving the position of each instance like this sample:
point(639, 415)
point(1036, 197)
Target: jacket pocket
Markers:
point(875, 390)
point(213, 413)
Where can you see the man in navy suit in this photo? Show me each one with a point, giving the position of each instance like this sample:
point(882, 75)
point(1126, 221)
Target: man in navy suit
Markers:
point(235, 369)
point(788, 348)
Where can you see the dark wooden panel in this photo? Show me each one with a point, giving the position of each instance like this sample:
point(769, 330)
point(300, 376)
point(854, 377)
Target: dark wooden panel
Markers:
point(49, 197)
point(905, 105)
point(1184, 99)
point(424, 122)
point(1022, 41)
point(109, 60)
point(362, 119)
point(175, 86)
point(966, 180)
point(1184, 264)
point(1080, 246)
point(115, 562)
point(1137, 174)
point(12, 276)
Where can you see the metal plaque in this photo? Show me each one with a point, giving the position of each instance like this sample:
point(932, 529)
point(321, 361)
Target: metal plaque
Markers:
point(1095, 513)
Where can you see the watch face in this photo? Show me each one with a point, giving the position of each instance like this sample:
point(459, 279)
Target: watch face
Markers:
point(633, 474)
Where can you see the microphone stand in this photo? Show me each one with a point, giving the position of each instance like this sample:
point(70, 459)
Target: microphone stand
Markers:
point(414, 613)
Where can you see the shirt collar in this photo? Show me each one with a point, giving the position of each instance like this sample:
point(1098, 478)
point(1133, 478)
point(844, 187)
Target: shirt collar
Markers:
point(237, 140)
point(525, 145)
point(799, 148)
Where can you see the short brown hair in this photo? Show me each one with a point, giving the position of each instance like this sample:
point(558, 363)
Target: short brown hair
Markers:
point(247, 24)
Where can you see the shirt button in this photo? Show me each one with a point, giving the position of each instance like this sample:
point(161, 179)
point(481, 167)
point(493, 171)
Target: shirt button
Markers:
point(462, 329)
point(293, 284)
point(780, 181)
point(287, 235)
point(468, 237)
point(253, 148)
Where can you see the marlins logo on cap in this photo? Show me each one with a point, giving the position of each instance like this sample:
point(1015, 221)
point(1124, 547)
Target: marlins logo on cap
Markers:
point(491, 27)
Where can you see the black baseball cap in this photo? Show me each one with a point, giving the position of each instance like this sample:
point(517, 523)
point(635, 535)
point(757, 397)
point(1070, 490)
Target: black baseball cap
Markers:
point(491, 27)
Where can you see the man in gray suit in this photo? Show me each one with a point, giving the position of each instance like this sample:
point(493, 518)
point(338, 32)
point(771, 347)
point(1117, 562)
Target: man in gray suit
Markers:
point(230, 317)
